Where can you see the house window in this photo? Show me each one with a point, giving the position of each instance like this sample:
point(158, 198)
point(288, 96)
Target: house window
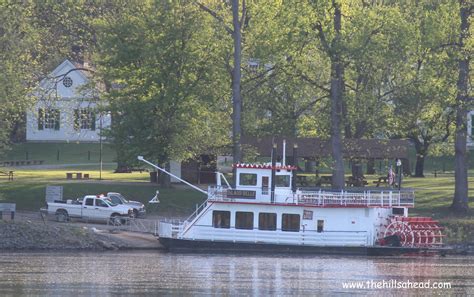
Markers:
point(84, 119)
point(221, 219)
point(282, 180)
point(320, 226)
point(248, 179)
point(48, 118)
point(244, 220)
point(267, 221)
point(290, 222)
point(67, 82)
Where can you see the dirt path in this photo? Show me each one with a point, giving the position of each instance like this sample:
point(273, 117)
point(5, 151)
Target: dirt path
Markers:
point(133, 240)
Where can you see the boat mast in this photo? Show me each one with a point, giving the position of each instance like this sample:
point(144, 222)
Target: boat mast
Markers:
point(272, 197)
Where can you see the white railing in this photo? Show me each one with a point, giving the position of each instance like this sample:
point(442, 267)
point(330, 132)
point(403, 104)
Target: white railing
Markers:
point(383, 198)
point(170, 229)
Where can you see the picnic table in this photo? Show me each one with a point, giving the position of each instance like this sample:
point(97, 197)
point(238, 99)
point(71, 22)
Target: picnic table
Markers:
point(9, 174)
point(77, 175)
point(324, 180)
point(381, 180)
point(356, 181)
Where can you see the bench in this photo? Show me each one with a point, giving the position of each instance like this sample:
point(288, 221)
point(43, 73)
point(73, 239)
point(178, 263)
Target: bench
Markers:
point(9, 174)
point(77, 175)
point(21, 162)
point(356, 182)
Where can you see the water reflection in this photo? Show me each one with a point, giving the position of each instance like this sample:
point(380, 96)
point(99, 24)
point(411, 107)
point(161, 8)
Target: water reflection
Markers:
point(156, 273)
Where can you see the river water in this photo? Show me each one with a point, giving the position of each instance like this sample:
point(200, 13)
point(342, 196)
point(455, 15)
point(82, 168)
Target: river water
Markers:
point(154, 273)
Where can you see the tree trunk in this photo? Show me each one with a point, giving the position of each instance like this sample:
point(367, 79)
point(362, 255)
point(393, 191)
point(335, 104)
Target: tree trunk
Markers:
point(337, 84)
point(163, 178)
point(460, 199)
point(420, 165)
point(356, 169)
point(371, 166)
point(236, 96)
point(236, 76)
point(421, 152)
point(406, 167)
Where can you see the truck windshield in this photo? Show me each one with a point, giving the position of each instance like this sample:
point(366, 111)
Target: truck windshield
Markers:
point(109, 202)
point(125, 200)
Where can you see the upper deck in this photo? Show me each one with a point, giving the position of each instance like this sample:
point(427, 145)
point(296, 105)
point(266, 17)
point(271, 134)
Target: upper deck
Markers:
point(319, 198)
point(266, 184)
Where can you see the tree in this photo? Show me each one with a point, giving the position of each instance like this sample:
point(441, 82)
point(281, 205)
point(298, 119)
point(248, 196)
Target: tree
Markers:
point(238, 21)
point(163, 87)
point(18, 66)
point(460, 199)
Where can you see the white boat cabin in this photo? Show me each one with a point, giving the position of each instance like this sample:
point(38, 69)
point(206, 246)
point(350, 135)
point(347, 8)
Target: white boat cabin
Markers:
point(254, 183)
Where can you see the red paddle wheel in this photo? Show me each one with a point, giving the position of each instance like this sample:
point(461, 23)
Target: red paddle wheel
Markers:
point(413, 231)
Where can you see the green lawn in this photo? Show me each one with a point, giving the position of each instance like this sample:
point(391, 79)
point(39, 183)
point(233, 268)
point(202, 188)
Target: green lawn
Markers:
point(173, 202)
point(61, 153)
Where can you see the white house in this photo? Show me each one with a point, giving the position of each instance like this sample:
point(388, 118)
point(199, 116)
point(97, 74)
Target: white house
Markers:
point(65, 111)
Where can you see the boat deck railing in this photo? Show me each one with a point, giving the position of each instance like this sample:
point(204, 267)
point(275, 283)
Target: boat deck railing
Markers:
point(325, 198)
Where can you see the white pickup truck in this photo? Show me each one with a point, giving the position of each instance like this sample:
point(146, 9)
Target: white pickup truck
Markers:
point(95, 208)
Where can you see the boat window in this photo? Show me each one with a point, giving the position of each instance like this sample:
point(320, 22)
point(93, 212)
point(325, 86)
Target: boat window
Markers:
point(244, 220)
point(90, 201)
point(282, 180)
point(267, 221)
point(320, 226)
point(398, 211)
point(248, 179)
point(290, 222)
point(221, 219)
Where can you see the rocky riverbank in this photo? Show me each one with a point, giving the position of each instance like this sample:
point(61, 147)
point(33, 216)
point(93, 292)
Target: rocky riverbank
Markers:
point(32, 235)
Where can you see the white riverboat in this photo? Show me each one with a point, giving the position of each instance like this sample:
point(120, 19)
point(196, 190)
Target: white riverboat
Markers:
point(265, 211)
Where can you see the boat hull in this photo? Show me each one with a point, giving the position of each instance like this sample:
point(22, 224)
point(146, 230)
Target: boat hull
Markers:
point(199, 246)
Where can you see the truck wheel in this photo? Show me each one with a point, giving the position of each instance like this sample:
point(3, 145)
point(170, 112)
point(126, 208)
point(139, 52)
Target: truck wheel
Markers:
point(135, 213)
point(115, 220)
point(62, 216)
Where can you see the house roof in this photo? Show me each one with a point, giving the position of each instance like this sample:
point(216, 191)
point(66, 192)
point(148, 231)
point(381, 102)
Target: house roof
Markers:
point(61, 69)
point(317, 147)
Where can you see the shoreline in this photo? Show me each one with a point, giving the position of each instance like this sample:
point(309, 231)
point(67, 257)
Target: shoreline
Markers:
point(31, 236)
